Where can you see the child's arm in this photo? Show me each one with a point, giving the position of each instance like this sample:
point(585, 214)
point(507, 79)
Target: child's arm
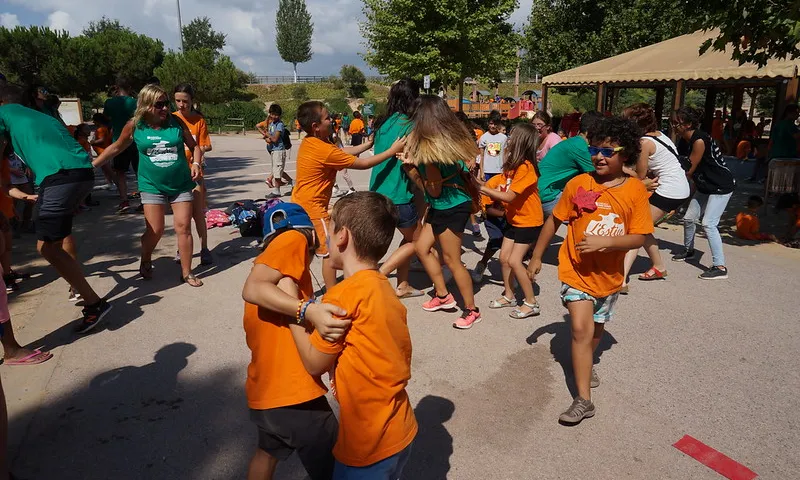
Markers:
point(481, 175)
point(600, 243)
point(261, 288)
point(276, 136)
point(369, 162)
point(498, 196)
point(358, 149)
point(546, 235)
point(124, 141)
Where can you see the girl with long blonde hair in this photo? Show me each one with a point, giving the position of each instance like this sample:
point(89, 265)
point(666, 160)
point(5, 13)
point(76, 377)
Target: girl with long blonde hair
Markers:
point(164, 176)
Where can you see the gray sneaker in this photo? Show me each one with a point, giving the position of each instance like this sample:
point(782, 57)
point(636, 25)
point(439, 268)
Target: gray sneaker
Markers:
point(595, 380)
point(715, 273)
point(576, 412)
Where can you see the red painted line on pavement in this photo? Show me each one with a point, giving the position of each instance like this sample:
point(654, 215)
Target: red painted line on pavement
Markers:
point(713, 459)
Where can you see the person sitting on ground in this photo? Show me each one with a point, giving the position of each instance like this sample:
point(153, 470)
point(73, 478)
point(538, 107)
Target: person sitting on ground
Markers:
point(748, 226)
point(65, 176)
point(372, 362)
point(286, 403)
point(607, 214)
point(318, 161)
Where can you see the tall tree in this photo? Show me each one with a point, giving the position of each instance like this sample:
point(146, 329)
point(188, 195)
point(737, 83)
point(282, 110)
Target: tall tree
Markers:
point(355, 80)
point(447, 39)
point(563, 34)
point(199, 34)
point(214, 77)
point(121, 51)
point(756, 29)
point(294, 31)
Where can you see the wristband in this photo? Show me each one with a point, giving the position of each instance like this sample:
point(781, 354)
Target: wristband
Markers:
point(297, 314)
point(195, 163)
point(301, 318)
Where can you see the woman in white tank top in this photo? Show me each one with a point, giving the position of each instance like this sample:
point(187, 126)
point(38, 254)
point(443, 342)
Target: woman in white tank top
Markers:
point(658, 160)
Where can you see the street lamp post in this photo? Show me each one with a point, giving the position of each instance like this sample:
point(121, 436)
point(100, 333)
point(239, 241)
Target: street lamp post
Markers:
point(180, 26)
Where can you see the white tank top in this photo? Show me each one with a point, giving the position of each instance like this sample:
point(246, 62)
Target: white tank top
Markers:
point(672, 182)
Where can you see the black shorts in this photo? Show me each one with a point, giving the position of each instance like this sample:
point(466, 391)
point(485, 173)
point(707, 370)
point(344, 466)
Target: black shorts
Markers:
point(523, 235)
point(127, 159)
point(309, 428)
point(356, 139)
point(60, 194)
point(664, 203)
point(406, 215)
point(454, 219)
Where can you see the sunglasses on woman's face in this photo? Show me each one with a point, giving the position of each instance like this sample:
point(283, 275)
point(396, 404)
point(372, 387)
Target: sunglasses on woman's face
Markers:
point(607, 152)
point(161, 105)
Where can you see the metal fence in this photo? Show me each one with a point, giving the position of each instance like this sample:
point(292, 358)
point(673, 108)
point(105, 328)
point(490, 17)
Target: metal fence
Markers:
point(279, 80)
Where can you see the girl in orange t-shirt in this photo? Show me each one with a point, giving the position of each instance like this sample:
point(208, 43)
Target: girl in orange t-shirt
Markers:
point(102, 139)
point(196, 124)
point(607, 213)
point(523, 214)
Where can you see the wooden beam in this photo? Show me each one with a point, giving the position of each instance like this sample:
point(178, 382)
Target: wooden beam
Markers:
point(738, 98)
point(677, 102)
point(659, 108)
point(544, 96)
point(710, 105)
point(600, 102)
point(792, 89)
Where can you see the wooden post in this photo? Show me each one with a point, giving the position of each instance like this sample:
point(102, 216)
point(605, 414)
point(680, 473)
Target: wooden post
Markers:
point(753, 97)
point(678, 101)
point(791, 89)
point(738, 98)
point(711, 102)
point(544, 97)
point(461, 94)
point(659, 105)
point(600, 104)
point(516, 78)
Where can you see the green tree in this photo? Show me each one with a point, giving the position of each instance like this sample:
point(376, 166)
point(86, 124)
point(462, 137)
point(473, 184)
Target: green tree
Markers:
point(564, 34)
point(294, 30)
point(120, 51)
point(25, 52)
point(199, 34)
point(103, 25)
point(214, 77)
point(447, 39)
point(354, 80)
point(756, 29)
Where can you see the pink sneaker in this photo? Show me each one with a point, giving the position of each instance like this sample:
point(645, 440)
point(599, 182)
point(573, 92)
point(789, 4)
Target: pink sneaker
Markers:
point(467, 321)
point(435, 304)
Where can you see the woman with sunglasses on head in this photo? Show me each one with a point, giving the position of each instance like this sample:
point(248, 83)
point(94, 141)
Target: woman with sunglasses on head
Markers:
point(547, 138)
point(164, 175)
point(659, 160)
point(713, 183)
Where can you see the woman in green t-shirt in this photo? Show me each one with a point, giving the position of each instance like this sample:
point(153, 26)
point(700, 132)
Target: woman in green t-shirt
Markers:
point(434, 160)
point(389, 179)
point(164, 175)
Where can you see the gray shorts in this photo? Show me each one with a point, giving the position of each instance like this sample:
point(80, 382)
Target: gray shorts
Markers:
point(164, 199)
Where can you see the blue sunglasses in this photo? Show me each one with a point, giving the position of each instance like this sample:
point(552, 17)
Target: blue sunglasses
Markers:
point(607, 152)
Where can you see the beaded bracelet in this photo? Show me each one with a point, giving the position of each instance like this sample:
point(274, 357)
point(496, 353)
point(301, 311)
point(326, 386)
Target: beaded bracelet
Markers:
point(302, 317)
point(297, 315)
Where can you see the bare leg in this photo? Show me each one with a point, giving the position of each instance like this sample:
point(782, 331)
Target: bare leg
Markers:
point(451, 251)
point(108, 173)
point(650, 246)
point(262, 466)
point(68, 267)
point(401, 258)
point(154, 229)
point(182, 222)
point(199, 215)
point(521, 274)
point(122, 185)
point(433, 268)
point(505, 267)
point(70, 247)
point(583, 332)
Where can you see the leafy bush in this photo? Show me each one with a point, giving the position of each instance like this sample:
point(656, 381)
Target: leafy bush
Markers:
point(217, 114)
point(337, 105)
point(355, 80)
point(300, 92)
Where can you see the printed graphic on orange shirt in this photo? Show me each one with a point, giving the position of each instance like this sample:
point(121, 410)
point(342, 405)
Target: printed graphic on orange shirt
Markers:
point(610, 225)
point(494, 148)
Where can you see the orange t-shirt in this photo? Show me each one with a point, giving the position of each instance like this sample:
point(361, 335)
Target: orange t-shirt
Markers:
point(198, 128)
point(105, 134)
point(317, 164)
point(276, 376)
point(478, 133)
point(717, 129)
point(376, 420)
point(526, 209)
point(748, 226)
point(356, 126)
point(621, 210)
point(6, 202)
point(498, 182)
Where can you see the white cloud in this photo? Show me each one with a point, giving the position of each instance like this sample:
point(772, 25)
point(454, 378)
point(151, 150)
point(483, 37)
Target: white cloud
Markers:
point(248, 24)
point(8, 20)
point(520, 17)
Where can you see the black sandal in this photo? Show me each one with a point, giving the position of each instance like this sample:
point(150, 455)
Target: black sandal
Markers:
point(146, 270)
point(189, 279)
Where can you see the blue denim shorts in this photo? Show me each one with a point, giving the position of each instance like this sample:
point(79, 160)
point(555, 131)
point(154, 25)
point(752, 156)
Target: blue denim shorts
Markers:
point(387, 469)
point(407, 216)
point(165, 199)
point(603, 307)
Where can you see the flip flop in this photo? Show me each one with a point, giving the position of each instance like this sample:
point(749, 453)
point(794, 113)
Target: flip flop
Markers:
point(35, 358)
point(411, 294)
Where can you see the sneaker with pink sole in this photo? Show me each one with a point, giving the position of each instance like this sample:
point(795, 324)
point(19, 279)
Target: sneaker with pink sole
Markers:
point(435, 304)
point(467, 321)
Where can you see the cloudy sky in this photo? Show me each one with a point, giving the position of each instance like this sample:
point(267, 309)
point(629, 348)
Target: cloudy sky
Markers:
point(247, 23)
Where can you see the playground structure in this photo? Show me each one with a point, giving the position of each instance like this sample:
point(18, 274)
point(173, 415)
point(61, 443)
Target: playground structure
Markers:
point(509, 107)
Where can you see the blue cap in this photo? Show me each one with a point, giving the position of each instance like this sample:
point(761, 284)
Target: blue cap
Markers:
point(293, 217)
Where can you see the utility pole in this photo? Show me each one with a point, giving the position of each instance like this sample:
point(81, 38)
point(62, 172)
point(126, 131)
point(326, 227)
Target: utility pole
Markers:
point(516, 77)
point(180, 26)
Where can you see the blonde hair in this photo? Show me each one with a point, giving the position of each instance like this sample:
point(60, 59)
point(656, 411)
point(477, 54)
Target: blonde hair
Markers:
point(148, 96)
point(438, 135)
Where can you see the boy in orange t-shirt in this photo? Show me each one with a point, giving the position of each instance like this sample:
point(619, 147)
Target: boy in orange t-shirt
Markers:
point(747, 224)
point(373, 360)
point(318, 160)
point(286, 403)
point(607, 214)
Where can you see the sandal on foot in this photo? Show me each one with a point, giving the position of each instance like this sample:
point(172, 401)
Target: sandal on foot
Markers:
point(146, 270)
point(35, 358)
point(519, 314)
point(653, 274)
point(192, 281)
point(504, 303)
point(624, 290)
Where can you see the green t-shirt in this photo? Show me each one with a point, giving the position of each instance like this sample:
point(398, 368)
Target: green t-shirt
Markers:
point(784, 145)
point(388, 178)
point(41, 141)
point(450, 196)
point(163, 168)
point(119, 110)
point(563, 162)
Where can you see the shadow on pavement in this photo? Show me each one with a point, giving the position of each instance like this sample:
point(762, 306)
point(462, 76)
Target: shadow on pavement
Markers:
point(560, 348)
point(430, 455)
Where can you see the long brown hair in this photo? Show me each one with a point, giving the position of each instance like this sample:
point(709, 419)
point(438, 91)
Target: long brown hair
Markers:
point(438, 136)
point(522, 146)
